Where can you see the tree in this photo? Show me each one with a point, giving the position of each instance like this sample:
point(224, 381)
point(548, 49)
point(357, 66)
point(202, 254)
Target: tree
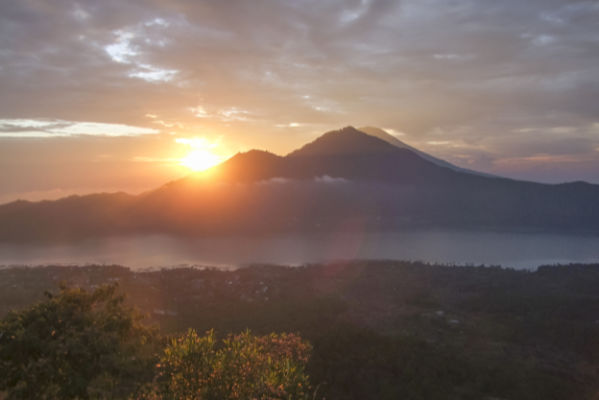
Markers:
point(76, 345)
point(239, 367)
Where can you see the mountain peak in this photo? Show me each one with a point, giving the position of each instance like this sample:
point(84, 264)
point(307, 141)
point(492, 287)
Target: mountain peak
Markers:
point(345, 141)
point(249, 166)
point(255, 155)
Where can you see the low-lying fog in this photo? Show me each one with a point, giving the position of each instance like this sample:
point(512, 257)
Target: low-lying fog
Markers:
point(517, 250)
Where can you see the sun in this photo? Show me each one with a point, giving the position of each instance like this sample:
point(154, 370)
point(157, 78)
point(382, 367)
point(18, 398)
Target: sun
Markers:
point(200, 160)
point(203, 153)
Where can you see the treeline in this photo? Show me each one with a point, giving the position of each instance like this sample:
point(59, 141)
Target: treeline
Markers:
point(379, 330)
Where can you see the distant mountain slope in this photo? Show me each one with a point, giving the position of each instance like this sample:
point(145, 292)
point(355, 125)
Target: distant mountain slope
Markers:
point(253, 165)
point(351, 154)
point(63, 219)
point(381, 134)
point(343, 178)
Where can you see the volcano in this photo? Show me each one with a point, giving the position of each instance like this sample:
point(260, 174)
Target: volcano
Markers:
point(363, 175)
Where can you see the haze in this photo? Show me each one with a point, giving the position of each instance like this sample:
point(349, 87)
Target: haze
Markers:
point(101, 96)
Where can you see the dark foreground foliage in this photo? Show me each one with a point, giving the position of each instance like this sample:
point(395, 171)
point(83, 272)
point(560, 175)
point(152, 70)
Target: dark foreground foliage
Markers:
point(88, 345)
point(75, 345)
point(381, 330)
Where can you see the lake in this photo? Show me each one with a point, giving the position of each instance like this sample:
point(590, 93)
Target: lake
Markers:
point(516, 250)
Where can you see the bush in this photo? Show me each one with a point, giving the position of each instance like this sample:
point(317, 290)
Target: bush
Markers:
point(243, 366)
point(76, 345)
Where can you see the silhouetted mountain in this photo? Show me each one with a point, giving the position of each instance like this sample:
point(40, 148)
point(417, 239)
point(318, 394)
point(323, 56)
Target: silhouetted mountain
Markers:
point(343, 178)
point(347, 153)
point(352, 154)
point(346, 141)
point(381, 134)
point(253, 165)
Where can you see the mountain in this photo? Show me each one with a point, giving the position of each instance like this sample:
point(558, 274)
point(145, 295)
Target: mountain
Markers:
point(343, 178)
point(346, 141)
point(351, 154)
point(381, 134)
point(346, 153)
point(251, 166)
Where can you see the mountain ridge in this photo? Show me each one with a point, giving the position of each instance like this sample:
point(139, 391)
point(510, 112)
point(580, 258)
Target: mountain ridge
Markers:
point(382, 134)
point(343, 175)
point(347, 140)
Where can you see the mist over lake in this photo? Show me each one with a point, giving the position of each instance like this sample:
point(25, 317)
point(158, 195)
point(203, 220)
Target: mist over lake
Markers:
point(508, 249)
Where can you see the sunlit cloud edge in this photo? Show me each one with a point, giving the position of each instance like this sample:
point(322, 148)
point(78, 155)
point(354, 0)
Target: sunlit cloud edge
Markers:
point(49, 128)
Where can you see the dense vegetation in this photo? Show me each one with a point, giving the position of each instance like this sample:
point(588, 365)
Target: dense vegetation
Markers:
point(241, 367)
point(75, 345)
point(380, 330)
point(89, 345)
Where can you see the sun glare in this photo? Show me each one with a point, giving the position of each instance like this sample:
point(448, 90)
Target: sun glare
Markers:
point(200, 159)
point(201, 155)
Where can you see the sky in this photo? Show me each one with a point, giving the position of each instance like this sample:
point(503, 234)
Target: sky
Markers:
point(111, 95)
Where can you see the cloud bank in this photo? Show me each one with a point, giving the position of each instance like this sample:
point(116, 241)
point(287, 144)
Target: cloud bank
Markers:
point(506, 87)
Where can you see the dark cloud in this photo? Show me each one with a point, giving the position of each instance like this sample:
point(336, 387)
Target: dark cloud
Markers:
point(490, 78)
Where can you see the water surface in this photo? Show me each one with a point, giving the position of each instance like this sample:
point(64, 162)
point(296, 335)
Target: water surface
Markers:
point(516, 250)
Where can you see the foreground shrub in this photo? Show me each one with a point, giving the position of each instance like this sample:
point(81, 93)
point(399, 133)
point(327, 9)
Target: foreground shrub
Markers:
point(243, 366)
point(75, 345)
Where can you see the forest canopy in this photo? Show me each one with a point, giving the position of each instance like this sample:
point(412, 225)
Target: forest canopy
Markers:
point(82, 344)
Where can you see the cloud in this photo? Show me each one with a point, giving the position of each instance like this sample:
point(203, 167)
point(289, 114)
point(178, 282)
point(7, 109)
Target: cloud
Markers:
point(199, 142)
point(251, 69)
point(394, 132)
point(452, 57)
point(330, 180)
point(325, 179)
point(124, 51)
point(226, 114)
point(289, 125)
point(275, 181)
point(22, 128)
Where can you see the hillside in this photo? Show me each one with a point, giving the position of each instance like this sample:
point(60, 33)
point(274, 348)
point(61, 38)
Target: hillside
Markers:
point(340, 176)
